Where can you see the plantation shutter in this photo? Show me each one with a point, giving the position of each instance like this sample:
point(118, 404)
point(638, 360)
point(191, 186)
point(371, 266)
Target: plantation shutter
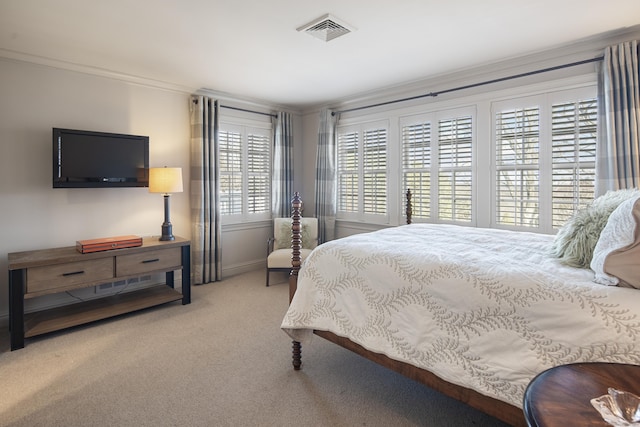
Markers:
point(348, 188)
point(416, 165)
point(518, 167)
point(455, 138)
point(230, 155)
point(574, 130)
point(258, 173)
point(374, 175)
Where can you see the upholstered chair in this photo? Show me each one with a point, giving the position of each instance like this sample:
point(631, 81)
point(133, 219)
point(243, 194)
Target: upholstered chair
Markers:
point(279, 252)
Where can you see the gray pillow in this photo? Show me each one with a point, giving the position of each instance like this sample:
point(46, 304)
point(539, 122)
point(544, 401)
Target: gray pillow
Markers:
point(577, 238)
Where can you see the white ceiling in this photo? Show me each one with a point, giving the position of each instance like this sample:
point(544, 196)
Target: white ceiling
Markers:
point(251, 49)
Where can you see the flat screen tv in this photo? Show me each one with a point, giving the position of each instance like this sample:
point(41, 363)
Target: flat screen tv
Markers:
point(86, 159)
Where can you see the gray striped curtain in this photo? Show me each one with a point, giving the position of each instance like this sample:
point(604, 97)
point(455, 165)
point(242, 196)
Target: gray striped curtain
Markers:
point(326, 178)
point(282, 179)
point(206, 257)
point(618, 160)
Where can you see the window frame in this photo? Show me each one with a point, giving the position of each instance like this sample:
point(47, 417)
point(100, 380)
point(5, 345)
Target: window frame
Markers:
point(545, 101)
point(359, 128)
point(246, 128)
point(435, 119)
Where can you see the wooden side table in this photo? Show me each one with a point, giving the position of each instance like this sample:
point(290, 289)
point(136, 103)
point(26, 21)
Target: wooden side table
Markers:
point(33, 274)
point(561, 396)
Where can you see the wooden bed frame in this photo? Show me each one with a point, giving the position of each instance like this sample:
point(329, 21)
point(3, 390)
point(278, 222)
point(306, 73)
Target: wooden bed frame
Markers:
point(496, 408)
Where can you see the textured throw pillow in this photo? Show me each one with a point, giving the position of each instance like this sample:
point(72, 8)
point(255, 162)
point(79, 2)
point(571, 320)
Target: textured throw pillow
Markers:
point(283, 236)
point(616, 257)
point(575, 241)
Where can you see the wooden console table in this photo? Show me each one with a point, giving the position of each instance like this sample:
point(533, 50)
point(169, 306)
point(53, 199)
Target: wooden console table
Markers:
point(48, 271)
point(561, 396)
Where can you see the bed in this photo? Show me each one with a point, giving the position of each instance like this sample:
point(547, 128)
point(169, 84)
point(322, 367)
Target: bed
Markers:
point(473, 313)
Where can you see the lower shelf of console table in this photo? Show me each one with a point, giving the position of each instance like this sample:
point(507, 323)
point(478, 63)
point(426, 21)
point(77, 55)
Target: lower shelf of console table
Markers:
point(42, 272)
point(45, 321)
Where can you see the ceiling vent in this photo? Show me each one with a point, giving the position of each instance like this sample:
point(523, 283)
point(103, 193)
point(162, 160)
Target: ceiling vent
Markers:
point(326, 28)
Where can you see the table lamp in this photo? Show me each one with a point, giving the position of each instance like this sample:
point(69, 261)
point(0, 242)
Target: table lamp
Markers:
point(165, 180)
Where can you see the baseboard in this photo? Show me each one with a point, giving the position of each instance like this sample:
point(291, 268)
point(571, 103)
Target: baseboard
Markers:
point(239, 268)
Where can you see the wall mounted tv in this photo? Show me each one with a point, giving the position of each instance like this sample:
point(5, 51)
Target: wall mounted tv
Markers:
point(85, 159)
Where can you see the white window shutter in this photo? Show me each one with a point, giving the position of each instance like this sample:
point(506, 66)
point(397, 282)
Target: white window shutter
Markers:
point(416, 165)
point(455, 158)
point(518, 167)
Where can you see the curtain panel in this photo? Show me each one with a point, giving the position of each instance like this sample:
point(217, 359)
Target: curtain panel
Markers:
point(282, 179)
point(618, 159)
point(326, 176)
point(206, 256)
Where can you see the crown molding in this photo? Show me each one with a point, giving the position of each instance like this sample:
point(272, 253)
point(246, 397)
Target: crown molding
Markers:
point(90, 70)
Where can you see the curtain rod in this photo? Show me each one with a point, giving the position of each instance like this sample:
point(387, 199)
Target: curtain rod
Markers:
point(501, 79)
point(249, 111)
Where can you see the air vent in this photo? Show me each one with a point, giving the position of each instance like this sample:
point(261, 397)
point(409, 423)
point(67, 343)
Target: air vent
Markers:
point(326, 28)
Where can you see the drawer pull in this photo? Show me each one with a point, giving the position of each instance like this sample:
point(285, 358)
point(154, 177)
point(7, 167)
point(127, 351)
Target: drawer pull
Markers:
point(73, 273)
point(147, 261)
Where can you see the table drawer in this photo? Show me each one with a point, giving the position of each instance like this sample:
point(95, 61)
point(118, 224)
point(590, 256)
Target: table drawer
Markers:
point(162, 259)
point(51, 277)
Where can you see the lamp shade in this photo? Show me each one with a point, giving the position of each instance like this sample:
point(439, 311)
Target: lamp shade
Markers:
point(165, 180)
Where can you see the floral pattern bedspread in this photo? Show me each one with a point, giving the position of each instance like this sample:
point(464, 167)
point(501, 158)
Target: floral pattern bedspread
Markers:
point(483, 308)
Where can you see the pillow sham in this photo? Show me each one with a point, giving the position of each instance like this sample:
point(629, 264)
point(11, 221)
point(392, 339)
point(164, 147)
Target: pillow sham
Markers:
point(577, 238)
point(616, 257)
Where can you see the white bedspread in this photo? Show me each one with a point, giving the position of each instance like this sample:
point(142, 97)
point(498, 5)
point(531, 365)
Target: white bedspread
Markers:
point(483, 308)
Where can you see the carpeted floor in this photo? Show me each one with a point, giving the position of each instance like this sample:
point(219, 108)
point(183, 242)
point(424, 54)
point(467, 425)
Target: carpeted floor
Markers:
point(220, 361)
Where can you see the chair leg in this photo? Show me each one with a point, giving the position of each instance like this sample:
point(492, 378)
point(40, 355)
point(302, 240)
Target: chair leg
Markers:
point(267, 276)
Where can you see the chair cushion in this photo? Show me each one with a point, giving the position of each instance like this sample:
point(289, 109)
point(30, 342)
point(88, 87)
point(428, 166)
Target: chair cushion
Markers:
point(281, 258)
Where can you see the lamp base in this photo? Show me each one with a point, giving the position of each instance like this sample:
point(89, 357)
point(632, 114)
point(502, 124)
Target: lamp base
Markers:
point(167, 232)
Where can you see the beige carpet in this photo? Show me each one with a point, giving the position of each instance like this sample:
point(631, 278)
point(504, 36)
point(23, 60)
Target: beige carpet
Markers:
point(220, 361)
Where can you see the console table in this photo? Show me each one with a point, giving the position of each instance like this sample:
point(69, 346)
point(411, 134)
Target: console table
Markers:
point(48, 271)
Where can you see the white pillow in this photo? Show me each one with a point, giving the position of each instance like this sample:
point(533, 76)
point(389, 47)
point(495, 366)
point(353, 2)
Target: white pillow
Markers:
point(576, 240)
point(618, 234)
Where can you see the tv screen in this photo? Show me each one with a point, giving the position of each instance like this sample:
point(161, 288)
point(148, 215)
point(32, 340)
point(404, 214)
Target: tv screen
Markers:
point(85, 159)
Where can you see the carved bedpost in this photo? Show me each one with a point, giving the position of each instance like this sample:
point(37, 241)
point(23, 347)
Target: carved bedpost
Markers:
point(409, 206)
point(296, 245)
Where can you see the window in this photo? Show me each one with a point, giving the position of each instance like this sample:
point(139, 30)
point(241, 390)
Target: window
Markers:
point(454, 169)
point(230, 172)
point(416, 164)
point(348, 168)
point(441, 187)
point(362, 171)
point(504, 159)
point(574, 130)
point(245, 171)
point(517, 166)
point(544, 159)
point(374, 171)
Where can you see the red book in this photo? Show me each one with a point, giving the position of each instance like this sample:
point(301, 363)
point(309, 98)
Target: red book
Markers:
point(107, 243)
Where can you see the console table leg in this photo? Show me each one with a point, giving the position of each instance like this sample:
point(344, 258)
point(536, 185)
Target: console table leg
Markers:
point(168, 279)
point(17, 280)
point(186, 274)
